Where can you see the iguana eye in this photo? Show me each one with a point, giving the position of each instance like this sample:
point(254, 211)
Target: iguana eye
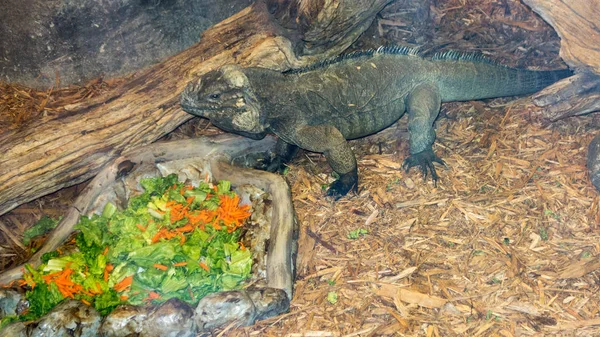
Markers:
point(214, 96)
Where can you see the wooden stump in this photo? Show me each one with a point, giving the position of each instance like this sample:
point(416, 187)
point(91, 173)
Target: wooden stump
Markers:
point(576, 22)
point(53, 153)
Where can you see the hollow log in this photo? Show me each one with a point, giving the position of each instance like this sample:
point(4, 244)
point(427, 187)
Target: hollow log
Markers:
point(576, 22)
point(53, 153)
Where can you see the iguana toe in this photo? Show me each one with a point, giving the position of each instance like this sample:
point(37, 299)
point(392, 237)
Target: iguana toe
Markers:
point(424, 160)
point(276, 165)
point(346, 183)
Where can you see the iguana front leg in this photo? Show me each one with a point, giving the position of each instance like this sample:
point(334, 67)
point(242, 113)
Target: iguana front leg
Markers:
point(284, 152)
point(423, 106)
point(329, 140)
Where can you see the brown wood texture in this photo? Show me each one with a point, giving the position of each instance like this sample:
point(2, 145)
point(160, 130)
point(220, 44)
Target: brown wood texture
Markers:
point(53, 153)
point(577, 95)
point(577, 24)
point(213, 150)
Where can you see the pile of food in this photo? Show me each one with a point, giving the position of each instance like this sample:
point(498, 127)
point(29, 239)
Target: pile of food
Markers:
point(172, 241)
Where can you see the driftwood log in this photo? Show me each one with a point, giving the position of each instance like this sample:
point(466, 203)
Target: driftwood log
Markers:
point(576, 22)
point(271, 237)
point(53, 153)
point(213, 154)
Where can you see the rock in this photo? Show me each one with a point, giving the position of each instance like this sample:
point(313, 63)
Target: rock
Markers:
point(227, 307)
point(69, 319)
point(17, 329)
point(172, 318)
point(9, 302)
point(124, 320)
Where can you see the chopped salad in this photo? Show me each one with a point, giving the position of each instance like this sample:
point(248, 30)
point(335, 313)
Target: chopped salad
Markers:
point(171, 241)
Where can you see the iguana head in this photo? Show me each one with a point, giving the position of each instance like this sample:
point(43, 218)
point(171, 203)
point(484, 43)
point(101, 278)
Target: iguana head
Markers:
point(224, 96)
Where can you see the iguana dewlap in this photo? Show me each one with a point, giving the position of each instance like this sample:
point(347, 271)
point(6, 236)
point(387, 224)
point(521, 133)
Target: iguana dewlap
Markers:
point(319, 107)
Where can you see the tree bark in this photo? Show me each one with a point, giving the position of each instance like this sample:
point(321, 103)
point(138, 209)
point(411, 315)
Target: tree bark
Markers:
point(576, 22)
point(53, 153)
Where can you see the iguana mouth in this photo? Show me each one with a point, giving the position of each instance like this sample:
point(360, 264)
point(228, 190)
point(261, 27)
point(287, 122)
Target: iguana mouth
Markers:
point(237, 111)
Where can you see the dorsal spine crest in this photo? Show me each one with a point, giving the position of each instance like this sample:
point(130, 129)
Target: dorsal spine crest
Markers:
point(450, 55)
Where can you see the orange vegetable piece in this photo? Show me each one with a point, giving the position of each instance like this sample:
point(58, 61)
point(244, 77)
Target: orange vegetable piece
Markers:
point(160, 266)
point(185, 229)
point(126, 282)
point(109, 267)
point(152, 296)
point(204, 266)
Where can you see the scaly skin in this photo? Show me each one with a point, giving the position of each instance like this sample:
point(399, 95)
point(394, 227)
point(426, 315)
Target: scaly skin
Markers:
point(318, 108)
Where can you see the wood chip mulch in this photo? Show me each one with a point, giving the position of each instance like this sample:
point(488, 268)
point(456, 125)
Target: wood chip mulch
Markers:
point(506, 244)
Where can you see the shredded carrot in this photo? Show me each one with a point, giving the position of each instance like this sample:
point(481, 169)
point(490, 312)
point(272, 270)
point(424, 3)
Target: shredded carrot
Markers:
point(242, 247)
point(123, 297)
point(185, 229)
point(180, 264)
point(182, 241)
point(60, 252)
point(164, 233)
point(63, 281)
point(202, 217)
point(126, 282)
point(189, 200)
point(204, 266)
point(178, 212)
point(160, 266)
point(232, 214)
point(142, 228)
point(105, 251)
point(85, 302)
point(109, 267)
point(158, 235)
point(152, 296)
point(99, 287)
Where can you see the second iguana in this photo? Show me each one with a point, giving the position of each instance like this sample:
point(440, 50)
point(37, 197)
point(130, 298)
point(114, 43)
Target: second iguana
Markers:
point(319, 107)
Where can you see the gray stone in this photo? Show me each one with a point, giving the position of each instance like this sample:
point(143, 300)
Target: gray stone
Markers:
point(69, 319)
point(83, 39)
point(227, 307)
point(174, 318)
point(124, 320)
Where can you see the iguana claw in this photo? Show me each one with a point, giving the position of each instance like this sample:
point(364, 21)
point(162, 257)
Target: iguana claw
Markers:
point(276, 165)
point(346, 183)
point(424, 160)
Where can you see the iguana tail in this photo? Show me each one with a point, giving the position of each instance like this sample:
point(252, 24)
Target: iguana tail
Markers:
point(464, 80)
